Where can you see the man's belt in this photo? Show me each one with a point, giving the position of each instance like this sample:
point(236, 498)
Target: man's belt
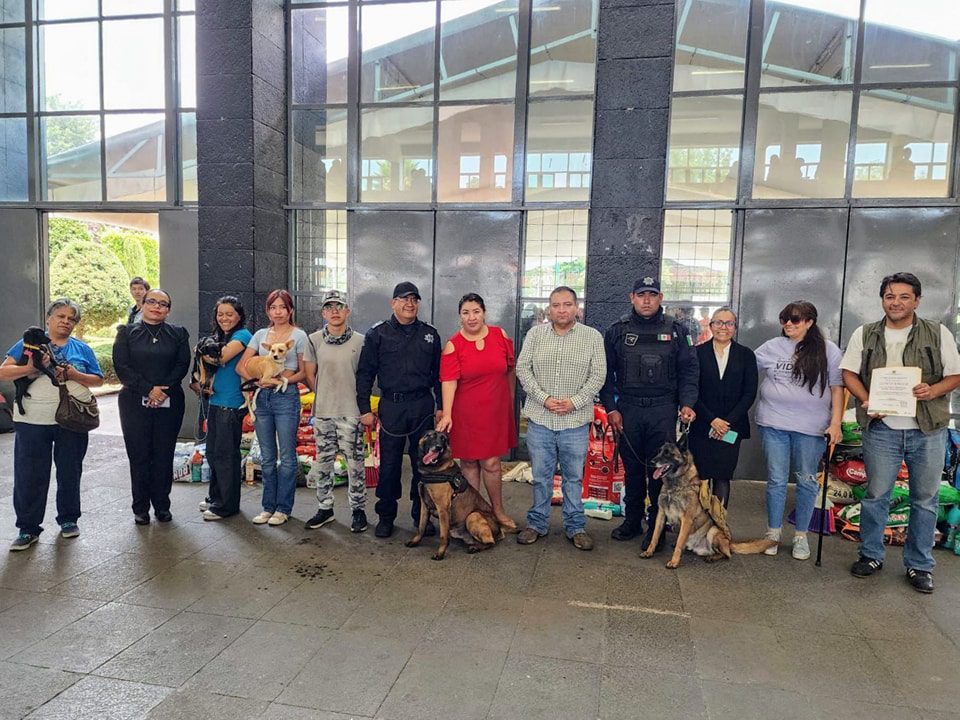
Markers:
point(647, 401)
point(405, 396)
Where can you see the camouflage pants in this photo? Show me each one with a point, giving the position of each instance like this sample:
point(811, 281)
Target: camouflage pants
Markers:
point(343, 435)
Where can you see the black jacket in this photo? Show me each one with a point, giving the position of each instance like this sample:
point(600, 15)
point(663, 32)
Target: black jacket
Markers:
point(729, 398)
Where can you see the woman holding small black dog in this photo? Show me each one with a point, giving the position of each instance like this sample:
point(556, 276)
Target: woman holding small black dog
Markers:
point(225, 419)
point(151, 359)
point(39, 440)
point(728, 387)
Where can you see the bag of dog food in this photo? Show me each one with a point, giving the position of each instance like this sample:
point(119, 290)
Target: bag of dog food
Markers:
point(602, 470)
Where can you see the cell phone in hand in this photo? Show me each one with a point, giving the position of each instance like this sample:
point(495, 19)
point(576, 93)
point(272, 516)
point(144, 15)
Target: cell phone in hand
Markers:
point(730, 436)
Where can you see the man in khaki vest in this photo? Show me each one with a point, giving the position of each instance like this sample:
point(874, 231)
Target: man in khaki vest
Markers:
point(901, 339)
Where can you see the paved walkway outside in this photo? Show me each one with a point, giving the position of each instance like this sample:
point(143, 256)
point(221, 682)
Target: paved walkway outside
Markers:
point(232, 620)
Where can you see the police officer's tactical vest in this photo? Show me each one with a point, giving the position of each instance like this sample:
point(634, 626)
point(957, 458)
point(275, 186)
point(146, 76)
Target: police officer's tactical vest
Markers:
point(647, 366)
point(923, 351)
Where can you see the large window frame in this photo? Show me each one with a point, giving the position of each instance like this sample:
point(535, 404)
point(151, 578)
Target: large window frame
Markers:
point(172, 111)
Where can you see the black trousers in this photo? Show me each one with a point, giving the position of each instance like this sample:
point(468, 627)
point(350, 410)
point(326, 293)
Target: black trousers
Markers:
point(150, 436)
point(224, 428)
point(401, 427)
point(646, 429)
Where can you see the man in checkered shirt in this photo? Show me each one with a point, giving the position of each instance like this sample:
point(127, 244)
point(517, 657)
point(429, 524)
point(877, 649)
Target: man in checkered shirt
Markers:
point(562, 367)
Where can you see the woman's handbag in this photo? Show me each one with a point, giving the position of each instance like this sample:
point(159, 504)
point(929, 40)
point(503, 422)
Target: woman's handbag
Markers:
point(75, 414)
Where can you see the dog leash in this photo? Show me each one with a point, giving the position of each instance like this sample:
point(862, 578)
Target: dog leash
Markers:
point(415, 430)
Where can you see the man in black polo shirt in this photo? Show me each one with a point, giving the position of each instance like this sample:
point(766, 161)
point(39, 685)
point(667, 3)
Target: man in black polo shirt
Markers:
point(403, 355)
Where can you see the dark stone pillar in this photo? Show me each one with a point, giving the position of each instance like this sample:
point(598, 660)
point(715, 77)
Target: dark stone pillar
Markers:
point(241, 152)
point(634, 56)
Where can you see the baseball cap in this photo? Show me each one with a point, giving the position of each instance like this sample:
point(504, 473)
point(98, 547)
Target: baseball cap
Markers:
point(335, 296)
point(406, 289)
point(646, 284)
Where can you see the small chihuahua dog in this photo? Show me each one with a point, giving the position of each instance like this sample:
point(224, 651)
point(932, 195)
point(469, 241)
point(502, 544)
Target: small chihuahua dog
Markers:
point(266, 370)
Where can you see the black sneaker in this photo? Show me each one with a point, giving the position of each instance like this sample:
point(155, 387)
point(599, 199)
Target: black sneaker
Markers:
point(921, 580)
point(628, 530)
point(359, 523)
point(865, 567)
point(320, 519)
point(23, 541)
point(164, 516)
point(384, 528)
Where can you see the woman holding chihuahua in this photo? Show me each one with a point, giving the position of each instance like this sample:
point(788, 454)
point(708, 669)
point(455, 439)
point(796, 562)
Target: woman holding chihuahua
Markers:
point(278, 410)
point(39, 440)
point(151, 359)
point(477, 370)
point(728, 387)
point(225, 419)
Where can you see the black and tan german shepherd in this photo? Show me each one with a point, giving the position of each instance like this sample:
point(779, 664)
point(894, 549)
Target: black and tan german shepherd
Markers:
point(445, 494)
point(686, 502)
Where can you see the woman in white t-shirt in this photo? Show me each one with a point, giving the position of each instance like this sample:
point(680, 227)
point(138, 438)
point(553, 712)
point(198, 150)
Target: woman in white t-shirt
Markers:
point(278, 413)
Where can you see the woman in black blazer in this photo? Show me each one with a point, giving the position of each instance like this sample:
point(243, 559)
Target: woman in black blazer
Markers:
point(728, 387)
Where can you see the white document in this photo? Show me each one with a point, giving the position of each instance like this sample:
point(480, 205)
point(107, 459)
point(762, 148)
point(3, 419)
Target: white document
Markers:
point(891, 391)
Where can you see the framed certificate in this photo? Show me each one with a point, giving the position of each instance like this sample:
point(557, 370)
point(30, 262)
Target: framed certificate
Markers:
point(891, 391)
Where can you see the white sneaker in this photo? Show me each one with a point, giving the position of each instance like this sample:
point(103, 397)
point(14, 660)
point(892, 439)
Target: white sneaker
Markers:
point(772, 535)
point(278, 518)
point(801, 549)
point(262, 518)
point(204, 506)
point(211, 515)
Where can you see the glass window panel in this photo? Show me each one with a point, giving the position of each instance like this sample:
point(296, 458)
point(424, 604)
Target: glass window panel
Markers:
point(13, 159)
point(695, 265)
point(705, 59)
point(71, 79)
point(809, 43)
point(394, 143)
point(802, 143)
point(65, 9)
point(133, 64)
point(478, 49)
point(13, 70)
point(480, 133)
point(187, 39)
point(559, 139)
point(185, 5)
point(321, 242)
point(910, 41)
point(904, 143)
point(71, 157)
point(132, 7)
point(548, 262)
point(703, 160)
point(563, 46)
point(188, 156)
point(136, 171)
point(11, 11)
point(397, 43)
point(319, 156)
point(319, 55)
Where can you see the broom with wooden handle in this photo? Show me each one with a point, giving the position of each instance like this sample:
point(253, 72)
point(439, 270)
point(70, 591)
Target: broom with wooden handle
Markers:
point(825, 477)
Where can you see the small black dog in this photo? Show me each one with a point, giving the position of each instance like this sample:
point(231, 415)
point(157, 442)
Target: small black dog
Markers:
point(206, 362)
point(36, 344)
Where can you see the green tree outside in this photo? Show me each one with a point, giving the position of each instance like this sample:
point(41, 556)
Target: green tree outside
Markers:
point(95, 279)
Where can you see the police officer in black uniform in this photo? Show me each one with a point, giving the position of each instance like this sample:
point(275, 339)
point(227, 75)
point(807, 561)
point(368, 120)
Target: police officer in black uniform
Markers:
point(403, 354)
point(652, 370)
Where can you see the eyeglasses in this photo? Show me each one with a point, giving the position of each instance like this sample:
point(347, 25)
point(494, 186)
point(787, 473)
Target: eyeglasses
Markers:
point(795, 319)
point(154, 301)
point(334, 306)
point(724, 323)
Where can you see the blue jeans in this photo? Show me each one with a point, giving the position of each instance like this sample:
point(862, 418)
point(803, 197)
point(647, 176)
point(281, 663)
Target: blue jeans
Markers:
point(789, 452)
point(278, 415)
point(570, 448)
point(883, 451)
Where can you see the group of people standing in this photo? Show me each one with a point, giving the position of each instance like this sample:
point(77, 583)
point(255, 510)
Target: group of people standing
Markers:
point(647, 370)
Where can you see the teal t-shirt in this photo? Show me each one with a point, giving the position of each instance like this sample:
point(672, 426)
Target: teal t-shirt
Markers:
point(226, 383)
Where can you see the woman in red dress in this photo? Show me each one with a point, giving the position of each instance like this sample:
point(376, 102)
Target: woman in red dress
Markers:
point(478, 376)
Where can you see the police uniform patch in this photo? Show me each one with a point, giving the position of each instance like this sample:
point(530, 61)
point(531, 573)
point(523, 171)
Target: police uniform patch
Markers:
point(428, 337)
point(630, 339)
point(664, 337)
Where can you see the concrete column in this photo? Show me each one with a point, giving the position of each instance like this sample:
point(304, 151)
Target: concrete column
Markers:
point(241, 152)
point(634, 56)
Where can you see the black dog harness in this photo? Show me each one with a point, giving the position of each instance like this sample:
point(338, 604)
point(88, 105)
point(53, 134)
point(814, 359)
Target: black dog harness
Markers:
point(458, 482)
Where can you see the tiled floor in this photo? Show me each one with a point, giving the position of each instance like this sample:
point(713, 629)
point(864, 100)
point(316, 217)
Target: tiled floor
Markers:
point(232, 620)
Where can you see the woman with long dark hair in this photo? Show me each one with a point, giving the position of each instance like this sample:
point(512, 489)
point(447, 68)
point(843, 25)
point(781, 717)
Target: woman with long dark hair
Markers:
point(225, 419)
point(801, 400)
point(278, 413)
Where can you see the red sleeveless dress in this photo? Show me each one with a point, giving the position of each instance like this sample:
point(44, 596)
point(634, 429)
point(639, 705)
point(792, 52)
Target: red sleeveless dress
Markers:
point(483, 419)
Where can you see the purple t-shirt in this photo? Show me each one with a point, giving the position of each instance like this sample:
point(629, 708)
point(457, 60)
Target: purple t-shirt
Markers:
point(784, 403)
